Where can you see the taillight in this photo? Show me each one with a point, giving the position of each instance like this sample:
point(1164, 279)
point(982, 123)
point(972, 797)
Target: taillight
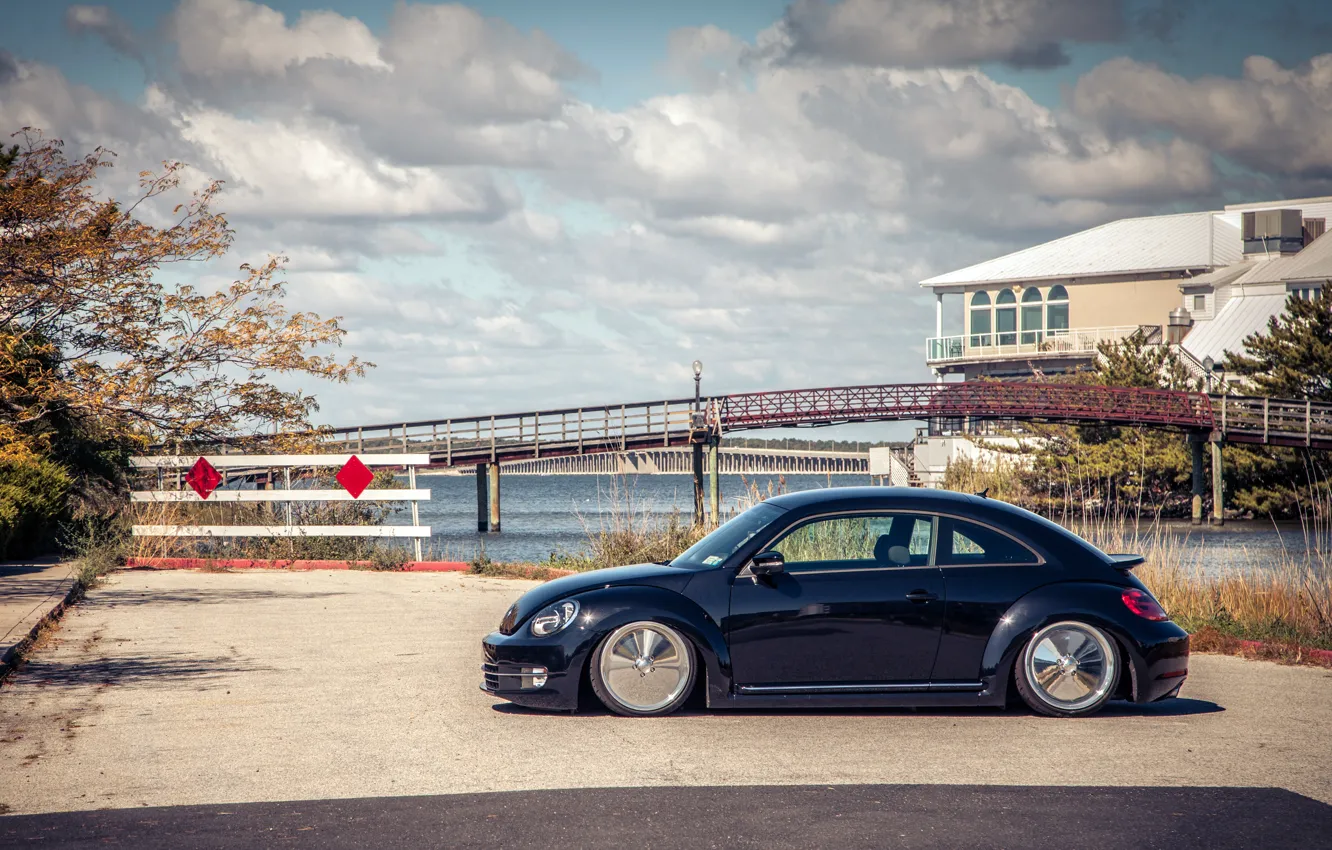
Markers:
point(1142, 604)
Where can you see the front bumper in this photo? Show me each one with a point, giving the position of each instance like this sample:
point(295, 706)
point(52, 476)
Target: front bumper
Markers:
point(507, 662)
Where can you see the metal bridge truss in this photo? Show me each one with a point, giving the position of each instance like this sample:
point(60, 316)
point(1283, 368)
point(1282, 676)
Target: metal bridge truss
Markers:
point(643, 426)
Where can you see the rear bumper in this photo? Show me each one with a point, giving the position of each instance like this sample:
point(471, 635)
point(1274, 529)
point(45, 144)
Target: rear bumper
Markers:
point(507, 665)
point(1161, 665)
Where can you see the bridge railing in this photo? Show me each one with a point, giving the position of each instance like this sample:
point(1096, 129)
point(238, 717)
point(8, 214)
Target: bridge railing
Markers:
point(490, 439)
point(975, 399)
point(1287, 422)
point(661, 424)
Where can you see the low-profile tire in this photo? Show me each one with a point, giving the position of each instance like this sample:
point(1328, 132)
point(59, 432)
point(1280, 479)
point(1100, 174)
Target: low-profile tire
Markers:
point(1068, 669)
point(643, 669)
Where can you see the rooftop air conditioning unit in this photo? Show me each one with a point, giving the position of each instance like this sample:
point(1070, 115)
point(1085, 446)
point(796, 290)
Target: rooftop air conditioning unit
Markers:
point(1272, 231)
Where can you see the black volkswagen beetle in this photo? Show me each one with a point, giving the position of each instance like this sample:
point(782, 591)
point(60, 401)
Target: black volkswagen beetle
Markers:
point(866, 596)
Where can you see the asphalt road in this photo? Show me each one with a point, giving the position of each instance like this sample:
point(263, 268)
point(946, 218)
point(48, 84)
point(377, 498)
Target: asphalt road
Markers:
point(768, 817)
point(349, 693)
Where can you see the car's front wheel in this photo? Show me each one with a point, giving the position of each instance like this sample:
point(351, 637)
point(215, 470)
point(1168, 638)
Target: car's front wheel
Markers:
point(643, 669)
point(1068, 669)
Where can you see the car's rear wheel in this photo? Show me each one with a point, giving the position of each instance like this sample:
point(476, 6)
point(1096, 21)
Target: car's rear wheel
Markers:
point(1068, 669)
point(643, 669)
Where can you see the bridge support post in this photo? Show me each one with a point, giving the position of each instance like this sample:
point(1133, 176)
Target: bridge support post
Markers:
point(1196, 450)
point(699, 517)
point(1218, 491)
point(482, 498)
point(494, 498)
point(714, 481)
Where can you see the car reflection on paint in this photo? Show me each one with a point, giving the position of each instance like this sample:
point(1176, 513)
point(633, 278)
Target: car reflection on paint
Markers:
point(851, 597)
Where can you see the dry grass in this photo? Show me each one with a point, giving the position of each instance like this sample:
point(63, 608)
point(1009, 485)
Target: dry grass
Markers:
point(1288, 603)
point(626, 531)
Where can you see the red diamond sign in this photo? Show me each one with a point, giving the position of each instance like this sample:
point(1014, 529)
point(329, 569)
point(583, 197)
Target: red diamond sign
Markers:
point(355, 477)
point(203, 478)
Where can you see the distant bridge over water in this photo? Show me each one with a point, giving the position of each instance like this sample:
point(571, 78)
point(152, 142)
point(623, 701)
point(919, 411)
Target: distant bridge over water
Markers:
point(648, 430)
point(646, 435)
point(650, 425)
point(665, 461)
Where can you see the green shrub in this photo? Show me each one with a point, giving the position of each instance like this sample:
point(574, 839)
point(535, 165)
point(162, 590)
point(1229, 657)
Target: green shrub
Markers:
point(33, 495)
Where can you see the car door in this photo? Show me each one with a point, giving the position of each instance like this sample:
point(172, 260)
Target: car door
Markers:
point(859, 602)
point(985, 570)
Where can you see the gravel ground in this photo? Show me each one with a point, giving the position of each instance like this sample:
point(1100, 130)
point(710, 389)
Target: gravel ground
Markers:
point(180, 688)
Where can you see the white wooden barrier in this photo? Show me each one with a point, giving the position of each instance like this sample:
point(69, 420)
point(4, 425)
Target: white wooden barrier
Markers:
point(416, 532)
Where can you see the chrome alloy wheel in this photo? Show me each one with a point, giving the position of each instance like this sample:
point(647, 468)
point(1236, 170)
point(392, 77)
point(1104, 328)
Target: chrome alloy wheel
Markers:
point(646, 666)
point(1070, 666)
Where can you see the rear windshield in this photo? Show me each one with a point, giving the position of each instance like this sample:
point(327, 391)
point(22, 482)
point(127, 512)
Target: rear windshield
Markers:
point(721, 544)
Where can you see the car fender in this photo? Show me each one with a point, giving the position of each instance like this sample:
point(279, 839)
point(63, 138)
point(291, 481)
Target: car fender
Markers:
point(603, 610)
point(1095, 603)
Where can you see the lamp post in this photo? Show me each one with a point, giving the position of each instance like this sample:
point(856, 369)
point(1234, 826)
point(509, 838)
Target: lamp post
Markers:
point(1214, 369)
point(698, 377)
point(696, 433)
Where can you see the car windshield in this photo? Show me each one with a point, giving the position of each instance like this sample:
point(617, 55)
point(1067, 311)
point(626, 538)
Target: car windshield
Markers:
point(723, 543)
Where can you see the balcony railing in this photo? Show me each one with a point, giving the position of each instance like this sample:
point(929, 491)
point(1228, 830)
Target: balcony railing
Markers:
point(998, 346)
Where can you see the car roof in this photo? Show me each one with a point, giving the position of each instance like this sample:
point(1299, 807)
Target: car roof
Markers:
point(1034, 528)
point(872, 497)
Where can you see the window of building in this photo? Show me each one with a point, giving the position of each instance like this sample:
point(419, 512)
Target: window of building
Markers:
point(1031, 316)
point(1200, 303)
point(963, 543)
point(1056, 310)
point(1005, 318)
point(981, 320)
point(1307, 292)
point(857, 542)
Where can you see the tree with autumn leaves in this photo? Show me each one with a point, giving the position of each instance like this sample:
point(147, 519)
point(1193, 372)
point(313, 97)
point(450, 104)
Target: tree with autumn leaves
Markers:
point(103, 350)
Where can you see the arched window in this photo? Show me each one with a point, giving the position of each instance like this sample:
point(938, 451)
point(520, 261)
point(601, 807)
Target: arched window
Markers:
point(1056, 310)
point(981, 320)
point(1031, 316)
point(1005, 317)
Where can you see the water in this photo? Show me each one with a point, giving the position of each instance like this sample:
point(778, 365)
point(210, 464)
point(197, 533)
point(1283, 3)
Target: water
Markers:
point(547, 514)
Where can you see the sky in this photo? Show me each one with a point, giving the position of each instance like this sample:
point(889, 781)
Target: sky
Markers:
point(520, 204)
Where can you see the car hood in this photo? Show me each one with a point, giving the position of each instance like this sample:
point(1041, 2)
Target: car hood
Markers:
point(656, 575)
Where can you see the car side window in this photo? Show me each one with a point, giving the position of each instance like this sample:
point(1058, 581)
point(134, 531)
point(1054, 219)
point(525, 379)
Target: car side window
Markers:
point(857, 542)
point(962, 543)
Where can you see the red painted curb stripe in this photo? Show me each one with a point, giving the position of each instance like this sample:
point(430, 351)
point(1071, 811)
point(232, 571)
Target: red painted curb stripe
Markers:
point(262, 564)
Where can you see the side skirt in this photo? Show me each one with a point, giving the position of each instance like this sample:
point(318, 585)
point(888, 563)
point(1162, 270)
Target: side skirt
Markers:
point(918, 696)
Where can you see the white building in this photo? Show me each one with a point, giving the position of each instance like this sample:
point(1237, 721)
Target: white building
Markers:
point(1200, 281)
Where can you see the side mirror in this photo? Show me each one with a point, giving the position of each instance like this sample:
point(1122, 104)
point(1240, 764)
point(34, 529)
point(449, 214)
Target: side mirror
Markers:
point(767, 564)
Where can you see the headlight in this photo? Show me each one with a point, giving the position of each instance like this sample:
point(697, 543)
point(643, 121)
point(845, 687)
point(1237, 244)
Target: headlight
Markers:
point(551, 620)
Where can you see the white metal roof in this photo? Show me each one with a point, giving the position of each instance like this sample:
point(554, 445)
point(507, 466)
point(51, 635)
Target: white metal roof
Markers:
point(1240, 317)
point(1220, 277)
point(1128, 246)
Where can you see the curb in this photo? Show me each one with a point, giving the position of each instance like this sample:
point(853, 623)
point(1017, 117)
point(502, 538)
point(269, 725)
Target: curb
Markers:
point(1256, 646)
point(16, 652)
point(279, 564)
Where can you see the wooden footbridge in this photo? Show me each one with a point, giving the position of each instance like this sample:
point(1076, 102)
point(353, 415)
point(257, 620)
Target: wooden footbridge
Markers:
point(485, 442)
point(466, 441)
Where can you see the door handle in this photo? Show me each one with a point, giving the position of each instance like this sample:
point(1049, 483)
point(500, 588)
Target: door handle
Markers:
point(922, 596)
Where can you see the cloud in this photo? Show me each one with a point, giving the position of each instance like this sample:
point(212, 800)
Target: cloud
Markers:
point(102, 22)
point(944, 33)
point(215, 38)
point(1272, 119)
point(9, 68)
point(309, 169)
point(495, 242)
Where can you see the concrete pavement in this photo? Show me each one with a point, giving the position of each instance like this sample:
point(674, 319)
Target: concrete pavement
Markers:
point(30, 591)
point(178, 689)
